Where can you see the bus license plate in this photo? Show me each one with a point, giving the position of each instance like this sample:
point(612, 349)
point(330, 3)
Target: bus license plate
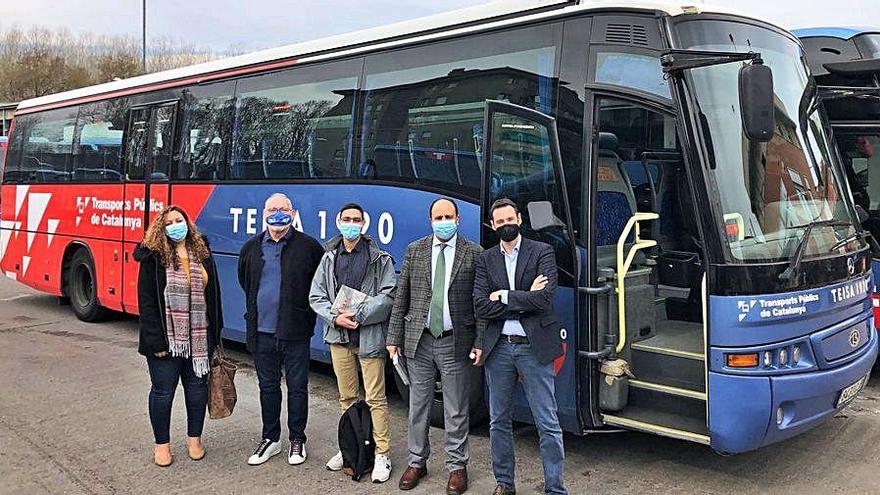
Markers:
point(850, 392)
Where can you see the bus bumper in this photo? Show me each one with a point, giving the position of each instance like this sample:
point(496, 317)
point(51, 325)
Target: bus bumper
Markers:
point(743, 409)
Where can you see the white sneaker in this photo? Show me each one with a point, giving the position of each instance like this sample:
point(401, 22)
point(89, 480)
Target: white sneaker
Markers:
point(381, 468)
point(297, 453)
point(264, 452)
point(335, 462)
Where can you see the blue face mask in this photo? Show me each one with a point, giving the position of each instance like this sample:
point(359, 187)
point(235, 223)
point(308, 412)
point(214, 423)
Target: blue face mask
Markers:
point(350, 231)
point(279, 219)
point(177, 231)
point(444, 229)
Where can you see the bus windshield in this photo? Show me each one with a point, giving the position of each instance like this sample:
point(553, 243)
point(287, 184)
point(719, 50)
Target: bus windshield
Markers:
point(768, 192)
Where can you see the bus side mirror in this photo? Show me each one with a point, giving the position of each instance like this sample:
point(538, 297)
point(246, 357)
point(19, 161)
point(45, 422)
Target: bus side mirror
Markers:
point(756, 102)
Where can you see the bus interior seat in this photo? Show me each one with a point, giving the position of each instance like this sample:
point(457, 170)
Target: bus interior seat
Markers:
point(615, 200)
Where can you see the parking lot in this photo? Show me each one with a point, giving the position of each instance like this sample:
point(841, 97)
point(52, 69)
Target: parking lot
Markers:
point(73, 419)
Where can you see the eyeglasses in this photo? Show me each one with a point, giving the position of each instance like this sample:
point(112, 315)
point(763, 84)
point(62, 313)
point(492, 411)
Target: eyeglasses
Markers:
point(282, 210)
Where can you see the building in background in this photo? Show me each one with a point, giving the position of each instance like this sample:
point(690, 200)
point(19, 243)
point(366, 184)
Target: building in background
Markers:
point(6, 111)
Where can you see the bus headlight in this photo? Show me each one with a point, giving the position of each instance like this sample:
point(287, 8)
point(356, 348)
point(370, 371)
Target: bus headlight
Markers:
point(780, 415)
point(768, 359)
point(783, 357)
point(795, 355)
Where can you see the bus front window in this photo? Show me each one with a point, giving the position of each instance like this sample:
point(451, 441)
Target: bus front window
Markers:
point(768, 192)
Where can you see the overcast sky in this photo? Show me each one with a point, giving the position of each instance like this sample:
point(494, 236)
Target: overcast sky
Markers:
point(254, 24)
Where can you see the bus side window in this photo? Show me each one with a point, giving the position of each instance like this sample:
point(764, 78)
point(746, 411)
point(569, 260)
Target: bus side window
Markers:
point(206, 131)
point(97, 150)
point(423, 107)
point(163, 140)
point(136, 143)
point(47, 146)
point(296, 123)
point(12, 167)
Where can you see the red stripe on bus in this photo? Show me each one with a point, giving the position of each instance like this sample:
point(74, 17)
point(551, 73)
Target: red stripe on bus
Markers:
point(158, 86)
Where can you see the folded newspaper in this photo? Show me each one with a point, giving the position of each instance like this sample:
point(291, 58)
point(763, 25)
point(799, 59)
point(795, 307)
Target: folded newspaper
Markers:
point(400, 367)
point(348, 299)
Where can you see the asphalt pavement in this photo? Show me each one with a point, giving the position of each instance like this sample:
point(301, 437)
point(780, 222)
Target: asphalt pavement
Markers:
point(73, 420)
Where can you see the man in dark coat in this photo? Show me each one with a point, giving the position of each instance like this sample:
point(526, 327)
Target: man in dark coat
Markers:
point(514, 285)
point(275, 269)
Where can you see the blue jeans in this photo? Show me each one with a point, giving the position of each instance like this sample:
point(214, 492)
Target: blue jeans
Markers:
point(505, 363)
point(270, 357)
point(165, 373)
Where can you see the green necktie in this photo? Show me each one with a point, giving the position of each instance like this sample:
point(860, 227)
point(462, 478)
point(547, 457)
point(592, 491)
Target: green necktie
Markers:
point(438, 293)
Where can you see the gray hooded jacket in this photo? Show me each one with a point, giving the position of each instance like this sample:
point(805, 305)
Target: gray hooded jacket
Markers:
point(379, 285)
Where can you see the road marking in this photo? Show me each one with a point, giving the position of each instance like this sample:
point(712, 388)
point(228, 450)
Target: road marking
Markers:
point(15, 298)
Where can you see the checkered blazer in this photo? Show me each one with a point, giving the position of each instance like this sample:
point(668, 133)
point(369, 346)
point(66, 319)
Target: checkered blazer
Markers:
point(412, 299)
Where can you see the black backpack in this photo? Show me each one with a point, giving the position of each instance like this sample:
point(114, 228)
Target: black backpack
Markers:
point(356, 440)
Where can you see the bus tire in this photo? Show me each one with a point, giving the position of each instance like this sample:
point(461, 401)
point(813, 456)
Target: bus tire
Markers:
point(82, 287)
point(479, 413)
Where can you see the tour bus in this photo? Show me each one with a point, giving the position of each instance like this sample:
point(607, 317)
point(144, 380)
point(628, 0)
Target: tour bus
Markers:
point(846, 65)
point(672, 154)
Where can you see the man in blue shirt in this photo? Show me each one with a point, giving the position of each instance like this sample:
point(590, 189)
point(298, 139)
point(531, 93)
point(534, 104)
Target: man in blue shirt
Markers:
point(275, 269)
point(513, 291)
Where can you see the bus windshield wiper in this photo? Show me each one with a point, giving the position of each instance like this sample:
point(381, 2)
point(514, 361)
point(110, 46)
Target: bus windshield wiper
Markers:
point(794, 266)
point(846, 240)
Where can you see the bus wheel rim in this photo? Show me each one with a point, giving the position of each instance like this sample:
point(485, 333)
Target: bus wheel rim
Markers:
point(84, 286)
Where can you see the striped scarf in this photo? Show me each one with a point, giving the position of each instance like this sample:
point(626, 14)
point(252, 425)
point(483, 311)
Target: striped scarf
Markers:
point(186, 321)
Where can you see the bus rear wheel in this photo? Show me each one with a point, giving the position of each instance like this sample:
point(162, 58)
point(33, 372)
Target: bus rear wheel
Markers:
point(82, 288)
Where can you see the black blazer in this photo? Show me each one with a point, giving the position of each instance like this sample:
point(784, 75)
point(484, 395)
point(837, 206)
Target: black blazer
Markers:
point(534, 310)
point(151, 302)
point(299, 262)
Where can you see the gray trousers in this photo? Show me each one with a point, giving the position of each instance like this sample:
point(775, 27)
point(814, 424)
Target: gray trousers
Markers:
point(433, 352)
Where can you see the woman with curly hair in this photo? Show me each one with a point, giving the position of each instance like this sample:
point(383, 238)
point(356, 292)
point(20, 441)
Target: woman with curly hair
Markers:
point(180, 322)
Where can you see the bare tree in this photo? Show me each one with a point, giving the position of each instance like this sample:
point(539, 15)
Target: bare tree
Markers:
point(39, 61)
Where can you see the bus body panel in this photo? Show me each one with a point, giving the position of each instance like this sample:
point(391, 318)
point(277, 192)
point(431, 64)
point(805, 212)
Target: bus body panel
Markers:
point(742, 409)
point(831, 328)
point(763, 319)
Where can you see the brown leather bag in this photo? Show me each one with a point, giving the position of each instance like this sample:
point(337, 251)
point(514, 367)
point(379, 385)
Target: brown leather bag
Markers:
point(221, 385)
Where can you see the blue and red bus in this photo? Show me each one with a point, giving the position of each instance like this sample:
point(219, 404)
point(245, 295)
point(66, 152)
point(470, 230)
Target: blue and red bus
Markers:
point(703, 233)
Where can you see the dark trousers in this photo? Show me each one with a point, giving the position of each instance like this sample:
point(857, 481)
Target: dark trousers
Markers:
point(165, 373)
point(270, 357)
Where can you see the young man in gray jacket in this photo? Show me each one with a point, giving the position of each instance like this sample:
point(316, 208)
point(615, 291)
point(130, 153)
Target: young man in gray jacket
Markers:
point(357, 334)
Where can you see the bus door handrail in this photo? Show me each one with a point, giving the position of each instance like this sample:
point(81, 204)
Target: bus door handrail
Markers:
point(623, 265)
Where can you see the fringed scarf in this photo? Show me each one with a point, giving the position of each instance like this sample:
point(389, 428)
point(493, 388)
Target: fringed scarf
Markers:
point(186, 320)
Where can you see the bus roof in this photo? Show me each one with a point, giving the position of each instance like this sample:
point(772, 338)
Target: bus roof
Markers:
point(843, 33)
point(498, 13)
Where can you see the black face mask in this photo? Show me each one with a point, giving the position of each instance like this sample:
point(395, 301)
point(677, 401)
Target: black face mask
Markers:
point(508, 232)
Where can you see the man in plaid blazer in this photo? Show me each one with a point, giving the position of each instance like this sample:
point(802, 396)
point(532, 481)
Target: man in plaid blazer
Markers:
point(433, 324)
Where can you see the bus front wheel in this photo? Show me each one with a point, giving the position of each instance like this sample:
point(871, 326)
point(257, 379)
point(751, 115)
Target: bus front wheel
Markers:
point(82, 287)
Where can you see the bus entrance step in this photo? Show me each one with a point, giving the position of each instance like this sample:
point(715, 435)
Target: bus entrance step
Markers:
point(667, 389)
point(668, 370)
point(658, 411)
point(664, 424)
